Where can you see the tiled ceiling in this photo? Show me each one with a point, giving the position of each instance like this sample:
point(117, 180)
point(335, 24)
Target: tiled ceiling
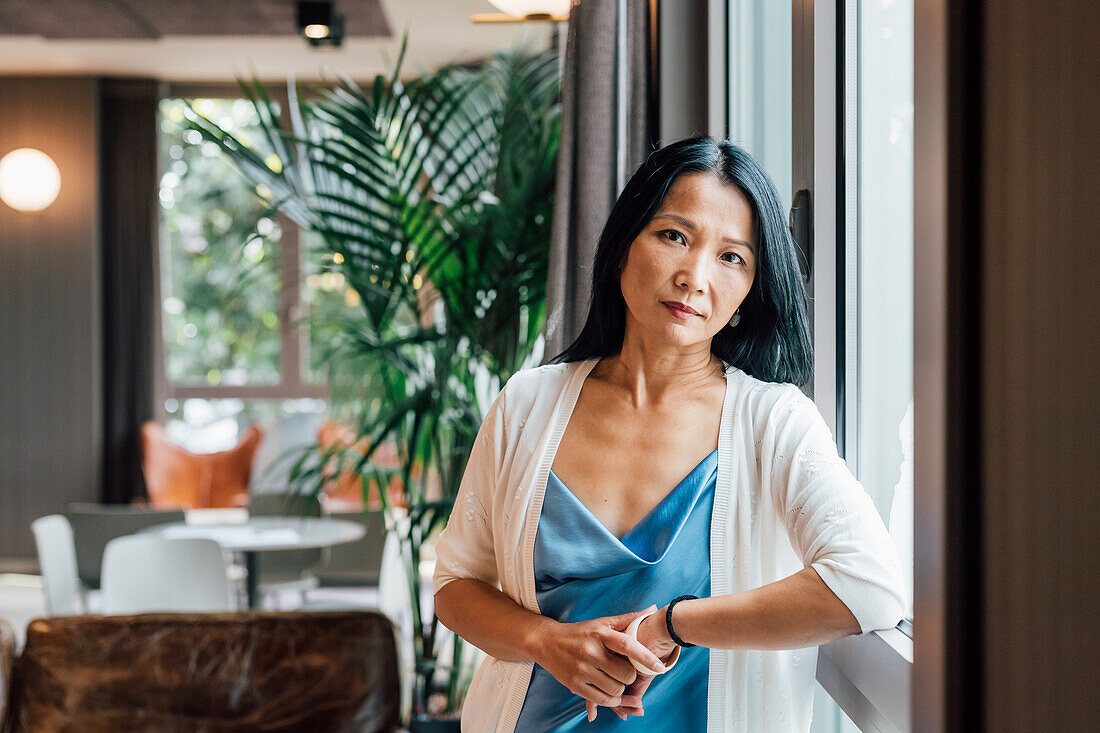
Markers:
point(133, 19)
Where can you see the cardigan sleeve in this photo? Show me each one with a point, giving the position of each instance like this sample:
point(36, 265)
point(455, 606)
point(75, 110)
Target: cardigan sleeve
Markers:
point(465, 547)
point(830, 520)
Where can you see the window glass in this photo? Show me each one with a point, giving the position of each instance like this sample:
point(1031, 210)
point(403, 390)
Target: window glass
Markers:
point(219, 255)
point(212, 425)
point(760, 86)
point(326, 299)
point(828, 717)
point(879, 259)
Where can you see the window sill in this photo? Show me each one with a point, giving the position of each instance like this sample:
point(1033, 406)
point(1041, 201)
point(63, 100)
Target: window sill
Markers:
point(247, 392)
point(868, 677)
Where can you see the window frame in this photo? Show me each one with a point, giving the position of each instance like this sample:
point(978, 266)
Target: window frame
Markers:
point(869, 675)
point(293, 335)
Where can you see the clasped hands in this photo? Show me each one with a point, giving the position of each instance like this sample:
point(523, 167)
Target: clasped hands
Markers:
point(592, 658)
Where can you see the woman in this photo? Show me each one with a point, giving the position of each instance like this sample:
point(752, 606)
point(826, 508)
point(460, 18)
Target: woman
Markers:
point(666, 461)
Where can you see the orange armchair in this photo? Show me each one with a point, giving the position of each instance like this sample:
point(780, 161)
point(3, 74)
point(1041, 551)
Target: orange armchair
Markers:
point(344, 491)
point(176, 477)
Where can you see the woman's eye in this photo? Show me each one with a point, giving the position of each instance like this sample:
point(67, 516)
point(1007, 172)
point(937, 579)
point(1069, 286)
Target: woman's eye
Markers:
point(673, 236)
point(735, 258)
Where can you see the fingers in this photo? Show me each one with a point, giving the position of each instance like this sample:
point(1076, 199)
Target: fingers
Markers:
point(632, 698)
point(594, 660)
point(596, 696)
point(620, 622)
point(632, 705)
point(619, 669)
point(638, 688)
point(622, 711)
point(607, 684)
point(629, 704)
point(622, 644)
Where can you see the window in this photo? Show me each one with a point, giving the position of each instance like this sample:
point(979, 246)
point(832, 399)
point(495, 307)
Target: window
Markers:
point(878, 278)
point(864, 158)
point(238, 288)
point(221, 250)
point(760, 94)
point(325, 298)
point(822, 95)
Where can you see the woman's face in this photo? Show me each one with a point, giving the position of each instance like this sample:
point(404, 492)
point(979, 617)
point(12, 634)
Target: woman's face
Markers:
point(687, 272)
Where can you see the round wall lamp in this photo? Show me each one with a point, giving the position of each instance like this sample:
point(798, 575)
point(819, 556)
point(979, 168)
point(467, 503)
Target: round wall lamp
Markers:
point(29, 180)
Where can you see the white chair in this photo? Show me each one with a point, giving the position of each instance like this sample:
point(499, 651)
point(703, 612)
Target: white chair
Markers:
point(94, 525)
point(53, 536)
point(395, 601)
point(144, 573)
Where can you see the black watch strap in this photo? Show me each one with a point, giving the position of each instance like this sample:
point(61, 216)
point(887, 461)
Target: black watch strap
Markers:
point(668, 619)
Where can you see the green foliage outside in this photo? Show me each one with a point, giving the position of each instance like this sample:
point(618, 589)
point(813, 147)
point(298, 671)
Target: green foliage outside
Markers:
point(220, 254)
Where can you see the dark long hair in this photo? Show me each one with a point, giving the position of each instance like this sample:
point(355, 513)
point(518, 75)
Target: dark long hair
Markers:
point(772, 341)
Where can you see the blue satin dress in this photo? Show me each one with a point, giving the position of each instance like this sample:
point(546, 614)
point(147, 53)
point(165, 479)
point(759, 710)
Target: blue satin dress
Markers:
point(583, 571)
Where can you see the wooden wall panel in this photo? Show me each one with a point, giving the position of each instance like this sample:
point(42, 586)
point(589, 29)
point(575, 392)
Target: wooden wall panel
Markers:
point(1041, 381)
point(50, 444)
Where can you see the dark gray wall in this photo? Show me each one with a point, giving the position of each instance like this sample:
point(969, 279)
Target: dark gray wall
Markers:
point(1041, 380)
point(50, 426)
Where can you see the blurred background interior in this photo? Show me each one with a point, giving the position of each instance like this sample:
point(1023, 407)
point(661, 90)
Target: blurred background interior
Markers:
point(242, 242)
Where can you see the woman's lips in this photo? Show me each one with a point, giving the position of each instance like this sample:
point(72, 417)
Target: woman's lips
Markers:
point(682, 312)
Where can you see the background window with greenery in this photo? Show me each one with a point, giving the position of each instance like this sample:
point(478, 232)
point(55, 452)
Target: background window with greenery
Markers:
point(236, 289)
point(220, 257)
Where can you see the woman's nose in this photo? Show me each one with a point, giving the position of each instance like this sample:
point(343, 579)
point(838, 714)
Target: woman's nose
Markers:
point(692, 273)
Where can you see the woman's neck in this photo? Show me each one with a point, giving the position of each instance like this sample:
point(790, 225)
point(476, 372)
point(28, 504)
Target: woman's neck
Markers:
point(654, 377)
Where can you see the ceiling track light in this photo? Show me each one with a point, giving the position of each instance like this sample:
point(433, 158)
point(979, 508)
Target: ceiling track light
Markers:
point(319, 23)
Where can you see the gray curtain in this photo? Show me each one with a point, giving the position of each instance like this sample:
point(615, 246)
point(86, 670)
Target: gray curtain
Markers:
point(608, 113)
point(129, 211)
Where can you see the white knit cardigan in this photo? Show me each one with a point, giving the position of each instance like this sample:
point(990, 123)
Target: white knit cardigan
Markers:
point(784, 500)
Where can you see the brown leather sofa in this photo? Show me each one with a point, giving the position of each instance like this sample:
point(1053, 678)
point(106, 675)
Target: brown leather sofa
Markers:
point(255, 671)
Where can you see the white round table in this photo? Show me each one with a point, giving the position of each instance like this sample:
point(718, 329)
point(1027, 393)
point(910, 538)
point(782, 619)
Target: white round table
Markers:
point(266, 534)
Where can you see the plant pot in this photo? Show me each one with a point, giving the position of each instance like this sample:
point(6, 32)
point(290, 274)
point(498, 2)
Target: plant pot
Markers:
point(428, 724)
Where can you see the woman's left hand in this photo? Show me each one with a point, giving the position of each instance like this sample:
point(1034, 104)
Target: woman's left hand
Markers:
point(636, 689)
point(653, 634)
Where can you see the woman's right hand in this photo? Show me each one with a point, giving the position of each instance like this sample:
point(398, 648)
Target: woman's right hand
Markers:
point(592, 658)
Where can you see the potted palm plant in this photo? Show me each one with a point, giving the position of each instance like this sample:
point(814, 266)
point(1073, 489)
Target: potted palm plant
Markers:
point(433, 198)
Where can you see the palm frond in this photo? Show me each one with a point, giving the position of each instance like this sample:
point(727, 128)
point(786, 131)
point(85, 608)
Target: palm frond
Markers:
point(446, 182)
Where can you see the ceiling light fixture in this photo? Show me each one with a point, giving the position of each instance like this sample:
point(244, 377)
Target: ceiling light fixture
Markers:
point(319, 23)
point(29, 180)
point(519, 11)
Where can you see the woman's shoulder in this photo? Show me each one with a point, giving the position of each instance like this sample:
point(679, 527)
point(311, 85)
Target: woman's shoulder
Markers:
point(760, 392)
point(534, 392)
point(768, 404)
point(536, 380)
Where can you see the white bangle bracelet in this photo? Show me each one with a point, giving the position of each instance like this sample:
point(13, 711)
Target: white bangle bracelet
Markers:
point(632, 632)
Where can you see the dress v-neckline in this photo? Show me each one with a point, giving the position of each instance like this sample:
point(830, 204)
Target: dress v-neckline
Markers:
point(654, 509)
point(573, 394)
